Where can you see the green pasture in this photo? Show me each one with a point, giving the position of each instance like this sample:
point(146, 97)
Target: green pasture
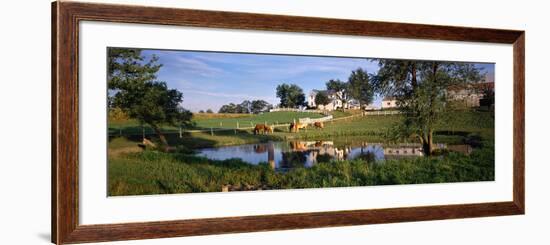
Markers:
point(133, 127)
point(453, 130)
point(267, 117)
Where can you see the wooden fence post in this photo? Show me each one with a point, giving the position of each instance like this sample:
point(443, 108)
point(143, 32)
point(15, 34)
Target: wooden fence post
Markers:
point(237, 124)
point(211, 131)
point(180, 133)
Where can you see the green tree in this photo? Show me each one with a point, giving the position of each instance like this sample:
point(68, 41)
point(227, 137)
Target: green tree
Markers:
point(488, 98)
point(229, 108)
point(117, 115)
point(258, 106)
point(420, 88)
point(321, 98)
point(209, 111)
point(134, 88)
point(341, 90)
point(360, 88)
point(244, 107)
point(291, 95)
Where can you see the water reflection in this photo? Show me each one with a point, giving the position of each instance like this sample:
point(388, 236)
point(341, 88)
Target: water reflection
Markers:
point(285, 155)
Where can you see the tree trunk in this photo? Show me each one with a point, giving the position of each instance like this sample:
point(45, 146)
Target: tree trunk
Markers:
point(427, 143)
point(413, 77)
point(160, 135)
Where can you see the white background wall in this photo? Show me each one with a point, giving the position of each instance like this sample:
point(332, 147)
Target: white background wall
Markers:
point(25, 121)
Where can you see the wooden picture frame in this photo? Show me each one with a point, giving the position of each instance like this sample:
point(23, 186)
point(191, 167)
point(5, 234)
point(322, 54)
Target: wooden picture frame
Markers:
point(65, 121)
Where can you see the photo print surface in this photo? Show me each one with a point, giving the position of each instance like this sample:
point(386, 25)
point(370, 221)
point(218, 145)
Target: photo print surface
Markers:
point(204, 121)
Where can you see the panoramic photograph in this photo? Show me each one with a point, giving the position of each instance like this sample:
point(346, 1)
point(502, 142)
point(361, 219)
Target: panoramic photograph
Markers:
point(204, 121)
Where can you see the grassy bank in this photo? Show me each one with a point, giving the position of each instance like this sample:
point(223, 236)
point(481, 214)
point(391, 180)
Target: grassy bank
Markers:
point(159, 173)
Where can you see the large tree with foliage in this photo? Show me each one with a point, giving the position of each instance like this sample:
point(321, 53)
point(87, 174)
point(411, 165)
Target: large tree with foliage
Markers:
point(321, 98)
point(244, 107)
point(134, 88)
point(258, 106)
point(341, 90)
point(420, 88)
point(229, 108)
point(247, 106)
point(291, 95)
point(360, 88)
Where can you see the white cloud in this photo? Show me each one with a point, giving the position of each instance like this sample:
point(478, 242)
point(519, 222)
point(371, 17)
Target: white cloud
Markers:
point(193, 65)
point(229, 95)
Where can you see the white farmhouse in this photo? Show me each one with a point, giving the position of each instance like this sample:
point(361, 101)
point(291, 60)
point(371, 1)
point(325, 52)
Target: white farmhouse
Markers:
point(469, 94)
point(389, 103)
point(335, 102)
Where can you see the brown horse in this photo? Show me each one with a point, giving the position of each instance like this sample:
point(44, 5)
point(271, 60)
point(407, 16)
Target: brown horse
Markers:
point(295, 127)
point(319, 125)
point(263, 129)
point(268, 129)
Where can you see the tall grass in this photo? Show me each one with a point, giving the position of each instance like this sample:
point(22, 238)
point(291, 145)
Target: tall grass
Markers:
point(158, 173)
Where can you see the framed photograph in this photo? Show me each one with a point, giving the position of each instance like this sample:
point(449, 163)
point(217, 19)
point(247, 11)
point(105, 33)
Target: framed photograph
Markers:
point(176, 122)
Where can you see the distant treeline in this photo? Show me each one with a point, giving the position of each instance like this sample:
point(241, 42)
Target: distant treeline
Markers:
point(247, 106)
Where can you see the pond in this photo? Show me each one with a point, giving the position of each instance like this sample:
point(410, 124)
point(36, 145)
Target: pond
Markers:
point(283, 155)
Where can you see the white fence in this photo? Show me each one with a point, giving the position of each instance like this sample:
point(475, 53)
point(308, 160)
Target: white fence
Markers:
point(366, 113)
point(308, 120)
point(298, 110)
point(381, 113)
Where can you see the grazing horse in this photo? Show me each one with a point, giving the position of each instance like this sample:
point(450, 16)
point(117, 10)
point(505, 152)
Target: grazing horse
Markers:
point(319, 125)
point(268, 129)
point(295, 127)
point(262, 128)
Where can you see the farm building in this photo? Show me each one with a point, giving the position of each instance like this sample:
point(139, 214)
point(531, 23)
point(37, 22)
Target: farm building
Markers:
point(389, 103)
point(470, 94)
point(335, 102)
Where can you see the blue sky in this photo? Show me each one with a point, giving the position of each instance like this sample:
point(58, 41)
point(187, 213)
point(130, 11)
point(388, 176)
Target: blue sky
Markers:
point(209, 80)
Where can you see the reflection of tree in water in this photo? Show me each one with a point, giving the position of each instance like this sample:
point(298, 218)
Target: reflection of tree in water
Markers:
point(324, 157)
point(260, 148)
point(293, 159)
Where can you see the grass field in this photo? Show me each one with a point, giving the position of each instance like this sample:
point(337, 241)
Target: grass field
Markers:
point(133, 171)
point(454, 130)
point(375, 126)
point(214, 120)
point(268, 117)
